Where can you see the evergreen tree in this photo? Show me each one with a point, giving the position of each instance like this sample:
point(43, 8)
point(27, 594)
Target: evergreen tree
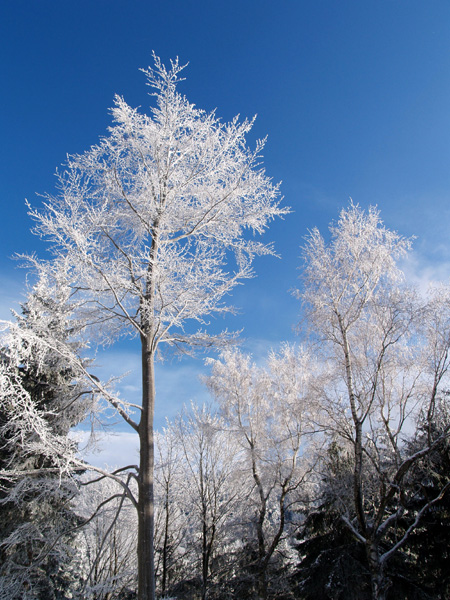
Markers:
point(41, 399)
point(333, 562)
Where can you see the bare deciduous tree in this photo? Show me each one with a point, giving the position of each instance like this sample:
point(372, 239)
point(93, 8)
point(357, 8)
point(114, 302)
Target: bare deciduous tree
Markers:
point(270, 414)
point(389, 356)
point(170, 508)
point(106, 543)
point(209, 484)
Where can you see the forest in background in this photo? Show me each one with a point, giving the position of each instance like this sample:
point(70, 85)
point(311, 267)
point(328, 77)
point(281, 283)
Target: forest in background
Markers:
point(287, 486)
point(321, 474)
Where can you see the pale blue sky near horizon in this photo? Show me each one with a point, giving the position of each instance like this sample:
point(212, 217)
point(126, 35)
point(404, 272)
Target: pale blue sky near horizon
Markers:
point(353, 96)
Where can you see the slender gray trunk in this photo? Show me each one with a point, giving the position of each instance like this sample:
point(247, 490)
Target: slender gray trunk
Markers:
point(262, 583)
point(165, 558)
point(262, 562)
point(205, 557)
point(146, 565)
point(379, 581)
point(358, 424)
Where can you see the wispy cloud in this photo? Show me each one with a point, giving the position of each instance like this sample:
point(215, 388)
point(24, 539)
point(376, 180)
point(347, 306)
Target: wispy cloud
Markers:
point(177, 382)
point(422, 272)
point(111, 450)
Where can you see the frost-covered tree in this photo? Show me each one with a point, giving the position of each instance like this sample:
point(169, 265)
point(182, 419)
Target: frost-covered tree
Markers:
point(42, 396)
point(210, 489)
point(269, 412)
point(156, 223)
point(425, 563)
point(171, 511)
point(106, 544)
point(389, 355)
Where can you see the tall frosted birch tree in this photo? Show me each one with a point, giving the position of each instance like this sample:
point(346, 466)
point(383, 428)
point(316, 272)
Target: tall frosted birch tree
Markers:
point(156, 223)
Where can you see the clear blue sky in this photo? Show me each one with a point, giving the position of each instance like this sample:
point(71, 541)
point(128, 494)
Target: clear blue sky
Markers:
point(353, 95)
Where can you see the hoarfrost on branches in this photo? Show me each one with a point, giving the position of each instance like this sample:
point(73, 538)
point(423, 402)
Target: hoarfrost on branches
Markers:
point(155, 226)
point(388, 355)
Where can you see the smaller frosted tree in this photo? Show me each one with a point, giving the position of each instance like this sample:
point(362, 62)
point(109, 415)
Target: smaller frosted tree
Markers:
point(269, 414)
point(389, 357)
point(208, 459)
point(171, 511)
point(107, 541)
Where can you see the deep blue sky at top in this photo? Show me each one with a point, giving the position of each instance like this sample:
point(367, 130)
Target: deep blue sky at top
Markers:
point(354, 96)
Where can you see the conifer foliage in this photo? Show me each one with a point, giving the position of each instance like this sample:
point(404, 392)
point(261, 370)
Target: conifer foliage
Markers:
point(42, 397)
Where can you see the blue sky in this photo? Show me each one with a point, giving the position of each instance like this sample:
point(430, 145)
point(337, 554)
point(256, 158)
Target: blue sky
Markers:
point(353, 95)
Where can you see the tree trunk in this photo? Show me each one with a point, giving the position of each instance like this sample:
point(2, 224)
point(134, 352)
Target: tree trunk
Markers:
point(379, 582)
point(262, 582)
point(204, 558)
point(166, 542)
point(146, 565)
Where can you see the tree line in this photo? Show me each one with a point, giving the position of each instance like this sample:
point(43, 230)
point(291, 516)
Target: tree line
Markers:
point(319, 474)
